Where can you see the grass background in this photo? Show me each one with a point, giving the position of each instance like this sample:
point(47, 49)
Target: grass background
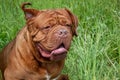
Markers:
point(95, 53)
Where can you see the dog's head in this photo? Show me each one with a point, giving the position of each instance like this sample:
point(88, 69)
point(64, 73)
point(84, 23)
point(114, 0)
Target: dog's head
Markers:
point(51, 31)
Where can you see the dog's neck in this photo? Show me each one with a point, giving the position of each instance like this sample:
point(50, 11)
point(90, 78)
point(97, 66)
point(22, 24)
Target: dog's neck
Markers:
point(24, 44)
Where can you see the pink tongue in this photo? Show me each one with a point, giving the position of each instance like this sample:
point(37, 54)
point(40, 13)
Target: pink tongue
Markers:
point(59, 51)
point(58, 54)
point(54, 52)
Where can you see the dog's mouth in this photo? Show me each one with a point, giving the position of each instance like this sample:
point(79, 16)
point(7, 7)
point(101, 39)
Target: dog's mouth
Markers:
point(57, 54)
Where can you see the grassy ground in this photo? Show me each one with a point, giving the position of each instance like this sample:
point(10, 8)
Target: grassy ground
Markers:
point(95, 53)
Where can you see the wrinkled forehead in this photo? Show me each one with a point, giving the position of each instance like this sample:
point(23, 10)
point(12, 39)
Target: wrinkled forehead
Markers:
point(56, 16)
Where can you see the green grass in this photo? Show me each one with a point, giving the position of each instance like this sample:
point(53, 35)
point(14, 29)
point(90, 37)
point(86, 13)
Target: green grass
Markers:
point(95, 53)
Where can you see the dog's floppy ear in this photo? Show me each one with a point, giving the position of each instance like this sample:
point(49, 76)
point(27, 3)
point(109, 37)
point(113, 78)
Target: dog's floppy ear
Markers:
point(74, 22)
point(29, 13)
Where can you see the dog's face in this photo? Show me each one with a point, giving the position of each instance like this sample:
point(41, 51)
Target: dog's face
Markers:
point(51, 31)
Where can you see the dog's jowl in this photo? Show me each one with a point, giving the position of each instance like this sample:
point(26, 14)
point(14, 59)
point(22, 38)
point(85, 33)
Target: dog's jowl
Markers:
point(39, 50)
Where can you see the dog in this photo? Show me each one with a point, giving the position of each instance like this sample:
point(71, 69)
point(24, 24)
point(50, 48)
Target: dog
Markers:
point(39, 50)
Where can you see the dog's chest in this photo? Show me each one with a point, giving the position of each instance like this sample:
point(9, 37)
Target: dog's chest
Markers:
point(49, 76)
point(40, 77)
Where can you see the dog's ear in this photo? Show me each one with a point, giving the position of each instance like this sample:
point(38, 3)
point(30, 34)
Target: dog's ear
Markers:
point(29, 13)
point(74, 22)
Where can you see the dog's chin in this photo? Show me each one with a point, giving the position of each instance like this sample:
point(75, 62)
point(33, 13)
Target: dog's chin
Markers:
point(57, 54)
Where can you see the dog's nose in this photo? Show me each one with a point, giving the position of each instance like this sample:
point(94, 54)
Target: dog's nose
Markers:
point(62, 33)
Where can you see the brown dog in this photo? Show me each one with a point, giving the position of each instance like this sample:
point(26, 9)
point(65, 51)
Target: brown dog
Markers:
point(39, 50)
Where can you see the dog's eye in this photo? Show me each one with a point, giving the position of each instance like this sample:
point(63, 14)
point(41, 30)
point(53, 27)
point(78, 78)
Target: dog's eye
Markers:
point(68, 25)
point(47, 27)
